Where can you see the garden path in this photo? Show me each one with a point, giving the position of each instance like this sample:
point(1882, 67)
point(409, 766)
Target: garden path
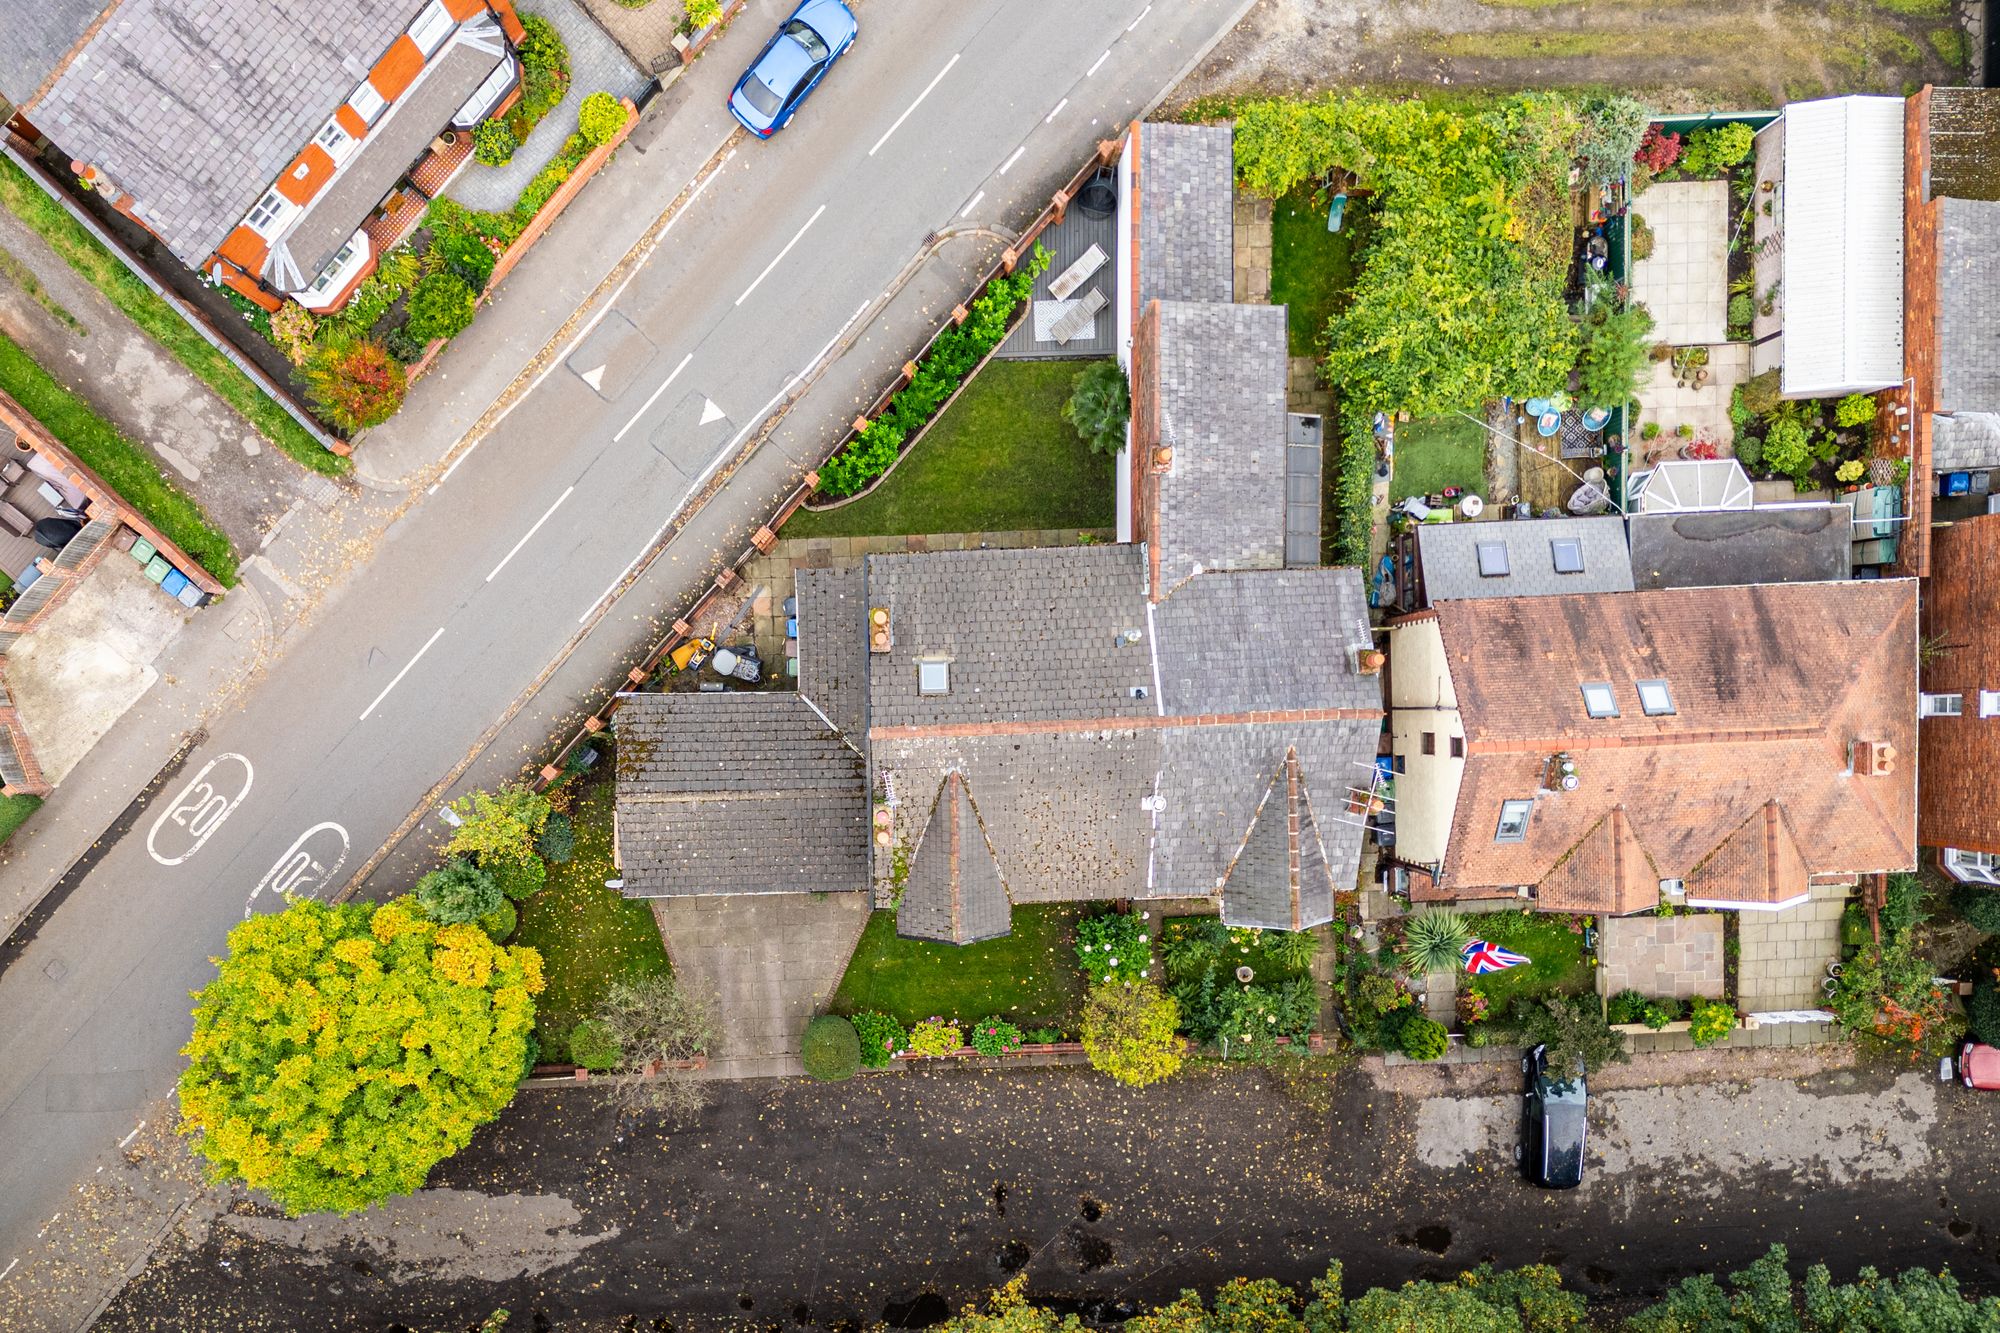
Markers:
point(1784, 954)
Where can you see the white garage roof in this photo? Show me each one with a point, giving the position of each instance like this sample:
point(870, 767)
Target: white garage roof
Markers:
point(1843, 237)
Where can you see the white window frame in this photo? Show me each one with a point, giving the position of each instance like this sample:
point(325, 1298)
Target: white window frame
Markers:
point(1517, 812)
point(368, 102)
point(933, 676)
point(432, 27)
point(269, 215)
point(336, 275)
point(1989, 703)
point(1940, 705)
point(1656, 699)
point(1599, 700)
point(337, 143)
point(1972, 867)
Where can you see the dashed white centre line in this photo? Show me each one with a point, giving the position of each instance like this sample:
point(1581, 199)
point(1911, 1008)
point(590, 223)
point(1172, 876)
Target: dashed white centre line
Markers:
point(400, 674)
point(1100, 63)
point(524, 539)
point(8, 1269)
point(133, 1135)
point(647, 406)
point(781, 255)
point(914, 105)
point(971, 204)
point(1057, 112)
point(1141, 19)
point(1012, 160)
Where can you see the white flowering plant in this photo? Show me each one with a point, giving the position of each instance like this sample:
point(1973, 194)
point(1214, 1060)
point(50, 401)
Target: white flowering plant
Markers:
point(1114, 947)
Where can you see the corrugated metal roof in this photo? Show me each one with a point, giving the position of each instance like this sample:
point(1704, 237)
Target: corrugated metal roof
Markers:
point(1843, 234)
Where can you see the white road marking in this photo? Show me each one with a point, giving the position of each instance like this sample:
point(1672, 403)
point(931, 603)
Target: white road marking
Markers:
point(654, 399)
point(1058, 111)
point(709, 411)
point(594, 378)
point(914, 105)
point(133, 1135)
point(1141, 19)
point(858, 310)
point(8, 1269)
point(781, 255)
point(400, 674)
point(1012, 160)
point(971, 204)
point(524, 537)
point(292, 870)
point(199, 809)
point(1100, 63)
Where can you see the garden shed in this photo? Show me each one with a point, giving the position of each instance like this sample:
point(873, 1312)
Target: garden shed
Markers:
point(1842, 235)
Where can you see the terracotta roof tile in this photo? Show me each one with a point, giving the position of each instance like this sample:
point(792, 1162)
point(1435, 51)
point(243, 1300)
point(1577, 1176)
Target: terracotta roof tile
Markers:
point(1961, 754)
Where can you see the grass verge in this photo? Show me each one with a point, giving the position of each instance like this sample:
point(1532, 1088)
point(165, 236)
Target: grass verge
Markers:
point(1030, 977)
point(1557, 964)
point(14, 812)
point(128, 468)
point(146, 308)
point(1312, 269)
point(1000, 459)
point(24, 277)
point(588, 935)
point(1437, 452)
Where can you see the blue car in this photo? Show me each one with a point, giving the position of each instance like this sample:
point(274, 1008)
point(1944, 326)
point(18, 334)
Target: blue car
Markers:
point(791, 65)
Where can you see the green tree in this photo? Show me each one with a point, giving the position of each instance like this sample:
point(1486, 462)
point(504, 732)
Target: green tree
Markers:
point(1573, 1030)
point(499, 826)
point(458, 891)
point(343, 1051)
point(1612, 128)
point(354, 382)
point(1129, 1032)
point(1616, 344)
point(1099, 406)
point(1764, 1299)
point(658, 1023)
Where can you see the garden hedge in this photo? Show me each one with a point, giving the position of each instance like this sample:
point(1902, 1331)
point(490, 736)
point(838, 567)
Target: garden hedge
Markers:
point(830, 1049)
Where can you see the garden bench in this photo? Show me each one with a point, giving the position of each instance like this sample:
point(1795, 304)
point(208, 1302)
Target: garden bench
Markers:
point(1081, 318)
point(1075, 275)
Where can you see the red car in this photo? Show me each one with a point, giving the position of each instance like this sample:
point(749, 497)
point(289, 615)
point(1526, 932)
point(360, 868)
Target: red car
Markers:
point(1979, 1065)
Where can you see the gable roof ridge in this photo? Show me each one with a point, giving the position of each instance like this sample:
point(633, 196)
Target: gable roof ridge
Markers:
point(979, 830)
point(831, 725)
point(1270, 786)
point(1292, 831)
point(953, 787)
point(1311, 818)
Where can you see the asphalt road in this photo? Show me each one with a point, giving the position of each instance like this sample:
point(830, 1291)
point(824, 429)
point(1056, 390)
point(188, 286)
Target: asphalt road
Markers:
point(834, 1206)
point(939, 113)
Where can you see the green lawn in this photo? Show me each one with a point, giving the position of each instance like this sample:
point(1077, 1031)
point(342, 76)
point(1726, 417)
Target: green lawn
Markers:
point(14, 812)
point(129, 469)
point(144, 307)
point(588, 935)
point(1030, 976)
point(1311, 268)
point(1437, 452)
point(1000, 459)
point(1557, 966)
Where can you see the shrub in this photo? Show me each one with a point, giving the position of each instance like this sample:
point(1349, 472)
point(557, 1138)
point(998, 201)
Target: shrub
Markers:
point(1045, 1036)
point(600, 118)
point(1786, 449)
point(1762, 393)
point(498, 826)
point(1642, 238)
point(935, 1036)
point(500, 922)
point(544, 73)
point(1613, 129)
point(1888, 994)
point(1741, 311)
point(1650, 431)
point(1980, 907)
point(1982, 1012)
point(1709, 1021)
point(1293, 949)
point(656, 1022)
point(1717, 148)
point(701, 13)
point(292, 331)
point(1614, 348)
point(1574, 1031)
point(493, 144)
point(1857, 409)
point(355, 383)
point(1850, 471)
point(593, 1045)
point(1192, 947)
point(521, 880)
point(1423, 1038)
point(1685, 430)
point(1434, 941)
point(1129, 1033)
point(1625, 1007)
point(440, 307)
point(995, 1036)
point(464, 254)
point(1099, 406)
point(403, 347)
point(830, 1051)
point(881, 1037)
point(1749, 451)
point(557, 843)
point(458, 892)
point(1658, 1013)
point(1903, 904)
point(1658, 149)
point(1113, 947)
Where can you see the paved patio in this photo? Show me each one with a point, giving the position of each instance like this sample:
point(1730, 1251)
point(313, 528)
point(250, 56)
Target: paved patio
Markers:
point(1253, 249)
point(1663, 399)
point(1685, 283)
point(1784, 954)
point(1675, 956)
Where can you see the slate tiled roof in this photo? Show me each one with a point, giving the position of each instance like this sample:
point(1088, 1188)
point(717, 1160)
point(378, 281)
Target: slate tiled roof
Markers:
point(737, 793)
point(195, 106)
point(1960, 755)
point(1450, 557)
point(1187, 212)
point(954, 892)
point(1724, 547)
point(1221, 400)
point(1968, 339)
point(1965, 442)
point(1267, 639)
point(1963, 123)
point(1770, 686)
point(833, 643)
point(36, 37)
point(1279, 880)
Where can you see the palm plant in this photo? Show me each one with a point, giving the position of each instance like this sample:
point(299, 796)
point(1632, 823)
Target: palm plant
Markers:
point(1293, 949)
point(1433, 942)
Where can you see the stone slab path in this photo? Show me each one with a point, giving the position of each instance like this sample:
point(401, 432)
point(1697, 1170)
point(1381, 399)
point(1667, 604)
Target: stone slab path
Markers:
point(1784, 954)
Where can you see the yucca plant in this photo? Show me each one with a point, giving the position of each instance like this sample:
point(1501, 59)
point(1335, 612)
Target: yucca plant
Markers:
point(1291, 948)
point(1432, 942)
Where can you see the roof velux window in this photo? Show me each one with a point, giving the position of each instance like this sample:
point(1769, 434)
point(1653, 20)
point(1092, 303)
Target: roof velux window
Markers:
point(933, 677)
point(1655, 698)
point(1514, 821)
point(367, 103)
point(433, 25)
point(1599, 701)
point(1567, 552)
point(1492, 559)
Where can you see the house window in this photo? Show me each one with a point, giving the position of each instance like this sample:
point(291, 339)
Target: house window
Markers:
point(1598, 700)
point(1492, 559)
point(1458, 747)
point(1513, 821)
point(1430, 742)
point(1989, 703)
point(1940, 705)
point(1655, 698)
point(933, 677)
point(1395, 763)
point(270, 214)
point(1567, 552)
point(1673, 888)
point(1978, 867)
point(432, 27)
point(337, 142)
point(332, 279)
point(367, 103)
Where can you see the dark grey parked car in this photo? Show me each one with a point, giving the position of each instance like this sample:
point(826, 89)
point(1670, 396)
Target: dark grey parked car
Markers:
point(1553, 1116)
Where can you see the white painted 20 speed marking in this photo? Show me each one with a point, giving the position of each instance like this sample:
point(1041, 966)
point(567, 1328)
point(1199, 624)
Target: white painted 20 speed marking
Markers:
point(308, 864)
point(200, 808)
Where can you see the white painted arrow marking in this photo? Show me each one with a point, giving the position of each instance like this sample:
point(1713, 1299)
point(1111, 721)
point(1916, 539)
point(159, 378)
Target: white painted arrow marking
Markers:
point(594, 378)
point(709, 411)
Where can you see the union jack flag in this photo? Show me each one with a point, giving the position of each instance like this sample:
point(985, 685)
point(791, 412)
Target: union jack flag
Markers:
point(1481, 956)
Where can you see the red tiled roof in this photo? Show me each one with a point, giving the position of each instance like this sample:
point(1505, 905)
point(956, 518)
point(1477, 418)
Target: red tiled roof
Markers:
point(1962, 754)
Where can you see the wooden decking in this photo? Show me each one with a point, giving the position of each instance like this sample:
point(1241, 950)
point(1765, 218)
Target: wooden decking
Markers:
point(1066, 241)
